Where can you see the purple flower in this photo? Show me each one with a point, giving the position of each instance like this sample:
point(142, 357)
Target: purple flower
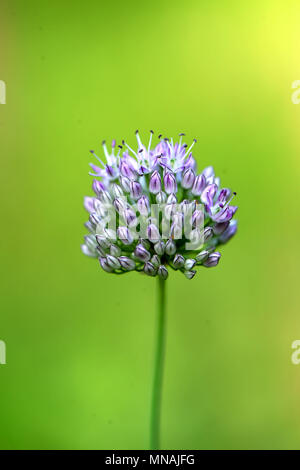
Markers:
point(152, 209)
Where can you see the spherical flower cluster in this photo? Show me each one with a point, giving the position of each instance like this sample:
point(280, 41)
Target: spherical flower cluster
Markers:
point(152, 210)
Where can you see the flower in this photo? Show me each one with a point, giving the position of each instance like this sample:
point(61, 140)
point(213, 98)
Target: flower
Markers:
point(152, 210)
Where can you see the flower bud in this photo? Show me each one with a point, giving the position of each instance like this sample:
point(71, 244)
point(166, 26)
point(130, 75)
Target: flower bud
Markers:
point(219, 228)
point(199, 185)
point(212, 260)
point(207, 234)
point(89, 204)
point(127, 170)
point(135, 190)
point(130, 218)
point(178, 261)
point(90, 241)
point(208, 194)
point(97, 187)
point(197, 218)
point(125, 183)
point(172, 199)
point(229, 232)
point(115, 250)
point(119, 205)
point(161, 198)
point(149, 269)
point(117, 190)
point(88, 251)
point(202, 256)
point(105, 197)
point(189, 264)
point(104, 265)
point(170, 183)
point(155, 260)
point(162, 272)
point(188, 178)
point(170, 247)
point(143, 205)
point(153, 233)
point(155, 183)
point(159, 248)
point(127, 263)
point(189, 274)
point(95, 219)
point(146, 244)
point(125, 235)
point(141, 253)
point(102, 241)
point(113, 262)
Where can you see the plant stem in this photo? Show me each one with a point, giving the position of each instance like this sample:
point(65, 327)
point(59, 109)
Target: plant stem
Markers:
point(158, 367)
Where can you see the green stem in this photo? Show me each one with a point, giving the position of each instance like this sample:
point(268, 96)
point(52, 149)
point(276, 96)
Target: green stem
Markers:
point(158, 367)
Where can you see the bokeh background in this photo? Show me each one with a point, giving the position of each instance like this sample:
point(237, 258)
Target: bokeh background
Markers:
point(79, 341)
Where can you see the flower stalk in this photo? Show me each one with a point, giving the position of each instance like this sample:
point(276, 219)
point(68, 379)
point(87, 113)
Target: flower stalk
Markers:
point(155, 419)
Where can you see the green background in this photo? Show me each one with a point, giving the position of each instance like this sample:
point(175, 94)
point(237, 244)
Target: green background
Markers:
point(79, 341)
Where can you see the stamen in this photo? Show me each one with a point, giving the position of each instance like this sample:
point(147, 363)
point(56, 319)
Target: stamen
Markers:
point(180, 140)
point(150, 141)
point(138, 139)
point(129, 148)
point(98, 158)
point(228, 202)
point(188, 151)
point(105, 151)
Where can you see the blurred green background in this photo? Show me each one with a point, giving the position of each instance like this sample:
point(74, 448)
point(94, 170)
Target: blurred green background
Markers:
point(79, 341)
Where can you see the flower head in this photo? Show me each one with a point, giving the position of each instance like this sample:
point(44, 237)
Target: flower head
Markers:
point(153, 210)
